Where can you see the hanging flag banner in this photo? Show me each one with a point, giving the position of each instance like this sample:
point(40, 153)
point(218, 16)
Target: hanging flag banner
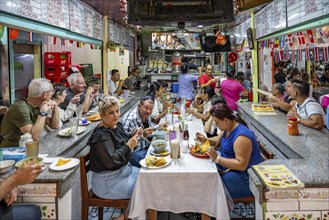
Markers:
point(13, 33)
point(62, 42)
point(91, 46)
point(290, 40)
point(310, 36)
point(281, 55)
point(276, 43)
point(299, 55)
point(325, 53)
point(71, 41)
point(44, 39)
point(287, 55)
point(301, 39)
point(54, 40)
point(293, 56)
point(30, 36)
point(316, 53)
point(282, 42)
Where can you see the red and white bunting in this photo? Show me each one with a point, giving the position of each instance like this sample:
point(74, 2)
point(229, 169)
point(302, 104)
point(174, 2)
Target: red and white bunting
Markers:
point(30, 36)
point(293, 56)
point(290, 40)
point(325, 54)
point(310, 36)
point(316, 53)
point(301, 39)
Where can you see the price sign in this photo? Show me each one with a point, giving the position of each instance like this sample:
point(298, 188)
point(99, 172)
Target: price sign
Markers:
point(232, 57)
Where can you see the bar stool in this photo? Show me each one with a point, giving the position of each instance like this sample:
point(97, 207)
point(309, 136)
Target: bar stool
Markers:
point(88, 198)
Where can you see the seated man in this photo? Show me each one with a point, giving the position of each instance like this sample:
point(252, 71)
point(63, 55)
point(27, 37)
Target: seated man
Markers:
point(95, 83)
point(29, 115)
point(140, 118)
point(132, 80)
point(8, 194)
point(77, 86)
point(114, 88)
point(307, 110)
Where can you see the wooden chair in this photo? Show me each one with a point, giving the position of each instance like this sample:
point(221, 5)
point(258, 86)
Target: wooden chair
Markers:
point(88, 198)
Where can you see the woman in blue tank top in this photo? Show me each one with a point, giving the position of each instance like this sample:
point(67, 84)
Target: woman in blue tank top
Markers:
point(239, 150)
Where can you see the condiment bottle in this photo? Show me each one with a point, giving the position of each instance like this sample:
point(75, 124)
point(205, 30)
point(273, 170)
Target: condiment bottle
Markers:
point(293, 126)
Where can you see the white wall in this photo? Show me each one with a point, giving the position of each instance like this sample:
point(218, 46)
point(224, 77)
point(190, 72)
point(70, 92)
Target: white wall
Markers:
point(120, 62)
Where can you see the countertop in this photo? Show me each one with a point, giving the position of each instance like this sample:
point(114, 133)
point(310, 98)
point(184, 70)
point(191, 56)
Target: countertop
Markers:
point(56, 146)
point(308, 153)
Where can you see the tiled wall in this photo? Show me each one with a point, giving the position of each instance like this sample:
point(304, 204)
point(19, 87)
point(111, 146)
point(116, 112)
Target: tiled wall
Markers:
point(306, 204)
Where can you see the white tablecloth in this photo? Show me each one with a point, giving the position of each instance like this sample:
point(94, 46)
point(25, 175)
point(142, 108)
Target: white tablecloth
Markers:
point(190, 185)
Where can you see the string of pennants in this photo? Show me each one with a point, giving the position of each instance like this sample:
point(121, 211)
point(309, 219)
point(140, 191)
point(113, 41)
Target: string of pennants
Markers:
point(13, 35)
point(294, 46)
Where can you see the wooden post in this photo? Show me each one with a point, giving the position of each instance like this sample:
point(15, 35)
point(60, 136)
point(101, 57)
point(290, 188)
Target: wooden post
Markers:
point(105, 56)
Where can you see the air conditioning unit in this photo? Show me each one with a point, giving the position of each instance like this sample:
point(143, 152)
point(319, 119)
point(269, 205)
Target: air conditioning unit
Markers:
point(200, 12)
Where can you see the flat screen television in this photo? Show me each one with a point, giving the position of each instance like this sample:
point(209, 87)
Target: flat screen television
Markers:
point(209, 45)
point(175, 41)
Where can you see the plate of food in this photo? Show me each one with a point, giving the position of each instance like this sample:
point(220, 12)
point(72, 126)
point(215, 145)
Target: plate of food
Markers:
point(153, 162)
point(66, 132)
point(94, 118)
point(38, 160)
point(64, 164)
point(200, 150)
point(162, 154)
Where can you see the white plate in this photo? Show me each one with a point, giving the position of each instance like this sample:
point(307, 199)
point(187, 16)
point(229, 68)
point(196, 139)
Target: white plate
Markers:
point(66, 132)
point(74, 162)
point(88, 122)
point(142, 163)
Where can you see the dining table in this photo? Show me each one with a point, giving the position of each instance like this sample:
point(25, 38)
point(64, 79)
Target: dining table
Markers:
point(189, 184)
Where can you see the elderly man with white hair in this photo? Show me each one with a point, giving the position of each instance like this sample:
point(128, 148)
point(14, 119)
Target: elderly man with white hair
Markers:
point(77, 87)
point(30, 115)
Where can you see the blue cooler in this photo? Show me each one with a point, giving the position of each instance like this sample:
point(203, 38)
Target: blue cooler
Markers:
point(175, 87)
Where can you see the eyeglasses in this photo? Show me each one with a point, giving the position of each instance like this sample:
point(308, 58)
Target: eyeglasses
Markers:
point(110, 100)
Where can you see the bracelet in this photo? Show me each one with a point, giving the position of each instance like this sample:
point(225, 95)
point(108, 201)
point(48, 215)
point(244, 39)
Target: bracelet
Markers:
point(217, 159)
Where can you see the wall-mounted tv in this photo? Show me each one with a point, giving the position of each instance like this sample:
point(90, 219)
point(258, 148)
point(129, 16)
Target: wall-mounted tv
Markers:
point(176, 41)
point(209, 44)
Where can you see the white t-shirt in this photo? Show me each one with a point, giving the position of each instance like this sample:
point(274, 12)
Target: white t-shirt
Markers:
point(308, 108)
point(206, 107)
point(157, 108)
point(112, 87)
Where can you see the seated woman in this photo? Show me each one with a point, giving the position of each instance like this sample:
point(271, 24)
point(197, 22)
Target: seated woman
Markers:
point(239, 150)
point(286, 104)
point(160, 106)
point(59, 96)
point(203, 110)
point(110, 150)
point(210, 127)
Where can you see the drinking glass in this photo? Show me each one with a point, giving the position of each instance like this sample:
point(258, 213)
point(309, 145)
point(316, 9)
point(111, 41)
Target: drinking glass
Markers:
point(185, 144)
point(32, 149)
point(174, 149)
point(74, 123)
point(78, 111)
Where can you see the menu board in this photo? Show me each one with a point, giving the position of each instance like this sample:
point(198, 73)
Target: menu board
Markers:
point(56, 12)
point(75, 15)
point(271, 18)
point(68, 14)
point(27, 8)
point(299, 11)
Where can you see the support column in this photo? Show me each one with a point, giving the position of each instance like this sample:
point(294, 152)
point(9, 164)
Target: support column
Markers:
point(37, 61)
point(105, 56)
point(254, 55)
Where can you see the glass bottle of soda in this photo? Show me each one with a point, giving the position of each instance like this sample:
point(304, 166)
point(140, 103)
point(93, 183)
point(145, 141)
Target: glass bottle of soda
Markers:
point(186, 134)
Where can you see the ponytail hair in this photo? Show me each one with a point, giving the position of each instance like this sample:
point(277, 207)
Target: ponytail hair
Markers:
point(154, 87)
point(222, 111)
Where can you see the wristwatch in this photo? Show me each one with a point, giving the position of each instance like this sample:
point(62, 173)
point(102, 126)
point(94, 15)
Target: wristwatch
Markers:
point(298, 119)
point(43, 114)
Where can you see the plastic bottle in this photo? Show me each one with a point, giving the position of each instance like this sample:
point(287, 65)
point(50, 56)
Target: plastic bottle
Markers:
point(25, 138)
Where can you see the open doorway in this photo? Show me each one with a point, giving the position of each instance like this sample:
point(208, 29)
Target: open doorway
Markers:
point(23, 68)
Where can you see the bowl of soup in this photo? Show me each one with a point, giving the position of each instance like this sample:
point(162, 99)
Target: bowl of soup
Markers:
point(159, 146)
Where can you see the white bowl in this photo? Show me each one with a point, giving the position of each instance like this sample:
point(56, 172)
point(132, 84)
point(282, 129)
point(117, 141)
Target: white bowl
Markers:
point(6, 165)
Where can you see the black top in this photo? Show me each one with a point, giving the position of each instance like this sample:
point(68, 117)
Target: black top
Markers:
point(108, 149)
